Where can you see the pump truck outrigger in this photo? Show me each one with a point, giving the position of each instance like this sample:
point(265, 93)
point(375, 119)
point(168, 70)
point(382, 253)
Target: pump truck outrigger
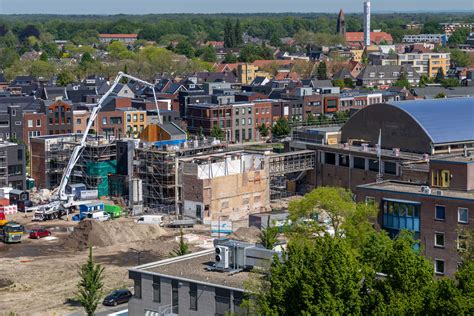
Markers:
point(61, 202)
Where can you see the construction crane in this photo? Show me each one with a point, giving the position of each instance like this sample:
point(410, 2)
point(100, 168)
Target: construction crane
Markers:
point(60, 201)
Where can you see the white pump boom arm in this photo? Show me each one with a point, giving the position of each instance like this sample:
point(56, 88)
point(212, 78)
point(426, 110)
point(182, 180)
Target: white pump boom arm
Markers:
point(95, 111)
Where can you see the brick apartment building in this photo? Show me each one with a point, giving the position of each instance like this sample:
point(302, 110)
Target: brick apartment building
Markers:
point(202, 117)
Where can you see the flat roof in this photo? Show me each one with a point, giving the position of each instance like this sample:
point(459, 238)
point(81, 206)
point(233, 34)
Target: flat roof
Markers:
point(455, 159)
point(415, 190)
point(193, 267)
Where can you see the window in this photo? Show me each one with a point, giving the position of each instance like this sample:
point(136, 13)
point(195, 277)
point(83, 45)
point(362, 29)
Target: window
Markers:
point(440, 212)
point(20, 154)
point(250, 121)
point(78, 121)
point(135, 117)
point(440, 178)
point(137, 284)
point(68, 120)
point(13, 112)
point(237, 111)
point(175, 296)
point(390, 167)
point(439, 240)
point(439, 266)
point(222, 301)
point(30, 123)
point(18, 123)
point(238, 298)
point(193, 297)
point(236, 122)
point(243, 122)
point(142, 117)
point(156, 289)
point(256, 111)
point(330, 158)
point(463, 215)
point(359, 163)
point(249, 110)
point(462, 242)
point(104, 121)
point(38, 123)
point(129, 118)
point(369, 200)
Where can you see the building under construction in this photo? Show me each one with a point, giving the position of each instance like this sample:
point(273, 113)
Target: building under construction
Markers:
point(156, 167)
point(50, 155)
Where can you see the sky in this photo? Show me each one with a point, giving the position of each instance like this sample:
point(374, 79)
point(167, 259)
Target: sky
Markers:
point(223, 6)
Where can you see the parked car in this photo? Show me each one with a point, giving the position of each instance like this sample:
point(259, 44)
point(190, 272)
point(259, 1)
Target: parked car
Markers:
point(117, 297)
point(38, 233)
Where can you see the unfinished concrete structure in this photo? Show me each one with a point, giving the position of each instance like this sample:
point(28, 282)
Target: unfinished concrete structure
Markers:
point(229, 185)
point(156, 167)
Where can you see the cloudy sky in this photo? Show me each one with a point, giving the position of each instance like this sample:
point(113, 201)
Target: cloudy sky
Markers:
point(217, 6)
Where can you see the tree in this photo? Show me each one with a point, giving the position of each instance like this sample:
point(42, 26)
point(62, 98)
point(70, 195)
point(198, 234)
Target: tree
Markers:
point(264, 131)
point(450, 82)
point(310, 119)
point(459, 36)
point(44, 56)
point(402, 81)
point(460, 58)
point(230, 58)
point(8, 57)
point(268, 236)
point(90, 285)
point(281, 128)
point(439, 75)
point(425, 80)
point(238, 33)
point(322, 71)
point(217, 132)
point(209, 54)
point(86, 59)
point(440, 95)
point(64, 78)
point(229, 35)
point(183, 246)
point(185, 48)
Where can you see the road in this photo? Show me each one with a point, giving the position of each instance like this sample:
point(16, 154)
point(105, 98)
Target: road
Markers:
point(121, 310)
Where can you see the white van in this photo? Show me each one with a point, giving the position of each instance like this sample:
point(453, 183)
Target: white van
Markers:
point(100, 216)
point(150, 219)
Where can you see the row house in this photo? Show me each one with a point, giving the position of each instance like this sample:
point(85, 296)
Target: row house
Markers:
point(357, 101)
point(263, 116)
point(201, 118)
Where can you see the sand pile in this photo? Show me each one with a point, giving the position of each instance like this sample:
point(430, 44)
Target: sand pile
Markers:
point(248, 234)
point(101, 234)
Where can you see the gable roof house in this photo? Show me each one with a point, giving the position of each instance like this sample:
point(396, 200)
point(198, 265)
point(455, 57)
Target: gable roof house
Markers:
point(376, 75)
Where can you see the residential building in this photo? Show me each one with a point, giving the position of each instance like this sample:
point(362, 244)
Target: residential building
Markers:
point(385, 76)
point(450, 28)
point(34, 124)
point(438, 214)
point(426, 63)
point(12, 165)
point(201, 118)
point(59, 118)
point(262, 116)
point(425, 38)
point(134, 121)
point(80, 118)
point(124, 38)
point(243, 124)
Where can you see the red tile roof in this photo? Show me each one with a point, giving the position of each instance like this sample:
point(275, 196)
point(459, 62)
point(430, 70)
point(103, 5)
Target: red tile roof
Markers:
point(375, 37)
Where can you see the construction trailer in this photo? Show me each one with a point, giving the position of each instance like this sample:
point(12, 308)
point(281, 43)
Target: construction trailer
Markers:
point(156, 167)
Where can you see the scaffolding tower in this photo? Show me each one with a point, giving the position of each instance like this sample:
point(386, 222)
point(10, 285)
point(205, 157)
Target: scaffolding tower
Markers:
point(156, 167)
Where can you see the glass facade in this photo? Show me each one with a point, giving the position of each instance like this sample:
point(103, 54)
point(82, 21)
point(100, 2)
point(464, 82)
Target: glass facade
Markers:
point(401, 215)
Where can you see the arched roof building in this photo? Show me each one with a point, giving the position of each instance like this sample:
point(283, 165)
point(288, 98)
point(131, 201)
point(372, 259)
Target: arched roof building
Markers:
point(421, 126)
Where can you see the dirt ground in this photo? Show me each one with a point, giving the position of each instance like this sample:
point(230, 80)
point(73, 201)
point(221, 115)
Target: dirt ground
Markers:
point(39, 277)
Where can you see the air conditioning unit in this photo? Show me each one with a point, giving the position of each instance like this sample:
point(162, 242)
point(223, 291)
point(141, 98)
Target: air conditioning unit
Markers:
point(439, 192)
point(426, 189)
point(222, 257)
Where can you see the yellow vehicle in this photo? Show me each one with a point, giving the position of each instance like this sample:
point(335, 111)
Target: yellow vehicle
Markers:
point(11, 232)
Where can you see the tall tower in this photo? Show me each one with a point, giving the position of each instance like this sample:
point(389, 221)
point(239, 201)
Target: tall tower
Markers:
point(367, 22)
point(341, 24)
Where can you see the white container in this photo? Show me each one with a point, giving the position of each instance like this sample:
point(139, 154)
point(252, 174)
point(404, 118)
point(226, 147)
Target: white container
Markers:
point(89, 194)
point(150, 219)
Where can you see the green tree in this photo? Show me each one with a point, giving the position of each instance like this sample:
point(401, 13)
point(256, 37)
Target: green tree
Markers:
point(238, 33)
point(322, 72)
point(402, 81)
point(86, 59)
point(119, 50)
point(8, 57)
point(229, 35)
point(269, 236)
point(439, 75)
point(44, 56)
point(90, 285)
point(440, 95)
point(281, 128)
point(450, 82)
point(311, 119)
point(230, 58)
point(459, 36)
point(460, 58)
point(183, 248)
point(209, 54)
point(185, 48)
point(217, 132)
point(264, 131)
point(64, 78)
point(424, 81)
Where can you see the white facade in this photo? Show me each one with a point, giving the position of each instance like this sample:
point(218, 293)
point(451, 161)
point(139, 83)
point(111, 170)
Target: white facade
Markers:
point(367, 23)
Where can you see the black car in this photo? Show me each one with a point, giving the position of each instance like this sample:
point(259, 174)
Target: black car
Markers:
point(117, 297)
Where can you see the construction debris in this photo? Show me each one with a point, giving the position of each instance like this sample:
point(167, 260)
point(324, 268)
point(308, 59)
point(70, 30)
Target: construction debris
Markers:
point(248, 234)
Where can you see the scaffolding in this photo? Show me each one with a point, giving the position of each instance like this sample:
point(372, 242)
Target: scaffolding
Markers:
point(156, 167)
point(57, 151)
point(96, 162)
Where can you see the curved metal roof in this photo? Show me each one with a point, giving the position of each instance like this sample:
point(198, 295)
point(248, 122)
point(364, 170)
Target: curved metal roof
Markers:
point(443, 120)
